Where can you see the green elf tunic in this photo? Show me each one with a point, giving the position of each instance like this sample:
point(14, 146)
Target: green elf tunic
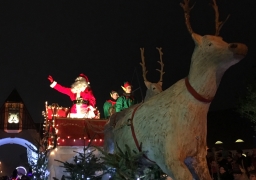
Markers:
point(125, 101)
point(111, 103)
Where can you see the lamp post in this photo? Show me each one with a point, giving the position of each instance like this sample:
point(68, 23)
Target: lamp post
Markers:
point(1, 172)
point(215, 157)
point(239, 143)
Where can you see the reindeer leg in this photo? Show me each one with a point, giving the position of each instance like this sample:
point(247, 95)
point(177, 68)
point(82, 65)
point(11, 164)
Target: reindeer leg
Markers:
point(177, 170)
point(201, 168)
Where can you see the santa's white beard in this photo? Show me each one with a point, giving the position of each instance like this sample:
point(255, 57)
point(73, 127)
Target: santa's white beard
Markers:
point(79, 86)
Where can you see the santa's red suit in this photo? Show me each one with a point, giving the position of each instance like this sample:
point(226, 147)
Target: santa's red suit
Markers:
point(81, 95)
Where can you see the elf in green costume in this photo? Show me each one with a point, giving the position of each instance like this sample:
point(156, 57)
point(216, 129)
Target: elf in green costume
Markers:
point(109, 106)
point(127, 99)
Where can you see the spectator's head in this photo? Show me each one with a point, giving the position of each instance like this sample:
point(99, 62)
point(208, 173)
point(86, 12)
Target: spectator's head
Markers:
point(237, 174)
point(223, 169)
point(239, 152)
point(229, 158)
point(252, 175)
point(254, 152)
point(15, 173)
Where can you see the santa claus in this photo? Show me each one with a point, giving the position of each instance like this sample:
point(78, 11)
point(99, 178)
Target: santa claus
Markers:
point(80, 94)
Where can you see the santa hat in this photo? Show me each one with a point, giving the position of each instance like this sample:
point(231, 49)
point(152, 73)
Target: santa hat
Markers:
point(85, 77)
point(126, 84)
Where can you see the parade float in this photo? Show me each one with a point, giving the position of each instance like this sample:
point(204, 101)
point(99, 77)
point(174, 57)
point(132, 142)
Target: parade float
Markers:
point(66, 136)
point(177, 122)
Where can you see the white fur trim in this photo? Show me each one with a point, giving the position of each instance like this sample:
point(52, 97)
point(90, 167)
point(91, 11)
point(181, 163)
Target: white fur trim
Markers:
point(87, 112)
point(53, 84)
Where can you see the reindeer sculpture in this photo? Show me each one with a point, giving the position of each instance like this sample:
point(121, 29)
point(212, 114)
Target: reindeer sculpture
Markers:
point(152, 88)
point(171, 127)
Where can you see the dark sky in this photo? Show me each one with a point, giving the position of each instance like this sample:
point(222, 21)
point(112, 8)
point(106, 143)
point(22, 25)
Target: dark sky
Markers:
point(102, 39)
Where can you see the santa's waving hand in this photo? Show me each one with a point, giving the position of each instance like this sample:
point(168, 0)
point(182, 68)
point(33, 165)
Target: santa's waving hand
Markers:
point(80, 94)
point(50, 79)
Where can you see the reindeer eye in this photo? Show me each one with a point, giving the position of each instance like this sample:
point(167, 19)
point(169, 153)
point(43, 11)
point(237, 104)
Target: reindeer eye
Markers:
point(209, 44)
point(154, 88)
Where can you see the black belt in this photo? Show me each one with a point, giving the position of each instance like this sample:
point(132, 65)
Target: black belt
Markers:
point(81, 102)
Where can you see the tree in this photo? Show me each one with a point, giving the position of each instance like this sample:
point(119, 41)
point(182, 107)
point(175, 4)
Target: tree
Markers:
point(39, 165)
point(85, 165)
point(44, 146)
point(247, 105)
point(129, 165)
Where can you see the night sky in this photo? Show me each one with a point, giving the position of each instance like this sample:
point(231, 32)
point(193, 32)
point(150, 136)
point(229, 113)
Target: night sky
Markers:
point(102, 39)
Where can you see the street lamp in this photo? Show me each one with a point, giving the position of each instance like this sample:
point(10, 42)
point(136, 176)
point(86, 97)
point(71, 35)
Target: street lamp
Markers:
point(239, 140)
point(218, 142)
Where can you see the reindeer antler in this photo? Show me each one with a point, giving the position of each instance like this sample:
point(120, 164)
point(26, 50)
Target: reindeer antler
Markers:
point(161, 63)
point(187, 9)
point(218, 24)
point(143, 65)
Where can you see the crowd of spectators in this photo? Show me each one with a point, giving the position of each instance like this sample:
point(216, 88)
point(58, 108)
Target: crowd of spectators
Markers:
point(225, 165)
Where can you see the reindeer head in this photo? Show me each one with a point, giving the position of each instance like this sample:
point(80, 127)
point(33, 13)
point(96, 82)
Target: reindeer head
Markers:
point(152, 88)
point(211, 50)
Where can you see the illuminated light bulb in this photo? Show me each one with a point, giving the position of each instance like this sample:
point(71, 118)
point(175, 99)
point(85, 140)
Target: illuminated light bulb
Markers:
point(95, 140)
point(63, 140)
point(79, 138)
point(52, 153)
point(89, 140)
point(84, 137)
point(100, 140)
point(58, 143)
point(68, 137)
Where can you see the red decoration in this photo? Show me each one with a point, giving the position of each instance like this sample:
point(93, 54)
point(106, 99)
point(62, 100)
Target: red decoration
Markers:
point(49, 141)
point(59, 112)
point(72, 131)
point(78, 132)
point(79, 142)
point(51, 129)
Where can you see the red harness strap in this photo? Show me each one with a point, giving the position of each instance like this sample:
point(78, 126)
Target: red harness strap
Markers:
point(195, 94)
point(134, 135)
